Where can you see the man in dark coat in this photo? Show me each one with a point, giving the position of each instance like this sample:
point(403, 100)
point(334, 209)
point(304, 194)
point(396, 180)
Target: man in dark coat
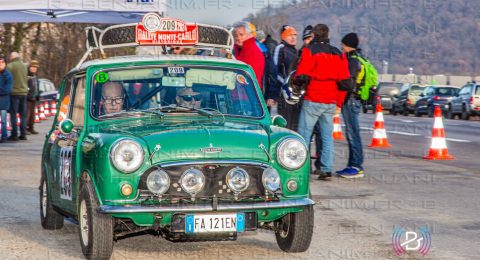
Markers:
point(32, 96)
point(6, 83)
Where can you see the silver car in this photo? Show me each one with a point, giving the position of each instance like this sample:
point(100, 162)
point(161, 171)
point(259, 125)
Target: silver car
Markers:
point(466, 103)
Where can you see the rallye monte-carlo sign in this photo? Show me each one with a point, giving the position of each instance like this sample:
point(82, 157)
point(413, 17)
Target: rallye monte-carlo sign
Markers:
point(155, 30)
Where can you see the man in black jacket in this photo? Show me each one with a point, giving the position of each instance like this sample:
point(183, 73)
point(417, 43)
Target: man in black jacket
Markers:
point(32, 96)
point(285, 59)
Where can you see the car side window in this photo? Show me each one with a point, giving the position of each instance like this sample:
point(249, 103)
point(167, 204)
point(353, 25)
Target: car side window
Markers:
point(79, 102)
point(465, 90)
point(64, 109)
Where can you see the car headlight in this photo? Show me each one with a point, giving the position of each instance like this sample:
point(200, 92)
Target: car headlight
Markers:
point(158, 182)
point(192, 181)
point(271, 179)
point(238, 179)
point(291, 153)
point(127, 155)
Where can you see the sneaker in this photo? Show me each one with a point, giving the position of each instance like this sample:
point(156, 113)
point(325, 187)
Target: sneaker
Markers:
point(13, 138)
point(351, 173)
point(23, 137)
point(324, 176)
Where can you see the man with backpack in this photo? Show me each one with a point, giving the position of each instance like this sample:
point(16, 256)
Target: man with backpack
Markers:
point(362, 74)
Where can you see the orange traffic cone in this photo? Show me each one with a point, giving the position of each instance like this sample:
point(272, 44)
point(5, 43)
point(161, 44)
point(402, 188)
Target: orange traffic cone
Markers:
point(42, 112)
point(9, 127)
point(18, 119)
point(47, 109)
point(53, 109)
point(379, 134)
point(37, 119)
point(438, 149)
point(337, 128)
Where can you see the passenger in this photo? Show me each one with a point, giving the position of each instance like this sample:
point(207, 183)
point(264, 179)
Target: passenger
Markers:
point(188, 98)
point(112, 98)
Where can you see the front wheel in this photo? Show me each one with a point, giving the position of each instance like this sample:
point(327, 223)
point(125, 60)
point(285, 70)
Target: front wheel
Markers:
point(95, 229)
point(49, 218)
point(450, 114)
point(417, 113)
point(465, 115)
point(295, 231)
point(405, 111)
point(430, 111)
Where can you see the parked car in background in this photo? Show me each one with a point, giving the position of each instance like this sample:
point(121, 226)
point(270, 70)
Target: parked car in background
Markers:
point(385, 92)
point(404, 103)
point(439, 95)
point(466, 103)
point(47, 90)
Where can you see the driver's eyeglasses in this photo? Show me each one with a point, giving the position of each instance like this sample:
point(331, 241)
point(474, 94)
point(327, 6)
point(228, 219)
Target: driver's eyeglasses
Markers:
point(113, 101)
point(189, 98)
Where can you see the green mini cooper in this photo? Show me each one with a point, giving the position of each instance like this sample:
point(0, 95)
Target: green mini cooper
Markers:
point(181, 147)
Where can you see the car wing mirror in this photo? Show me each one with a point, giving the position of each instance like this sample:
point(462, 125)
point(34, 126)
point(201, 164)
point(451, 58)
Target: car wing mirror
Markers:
point(279, 121)
point(66, 126)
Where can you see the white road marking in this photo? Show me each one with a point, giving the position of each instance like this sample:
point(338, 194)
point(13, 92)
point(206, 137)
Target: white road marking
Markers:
point(402, 133)
point(458, 140)
point(407, 121)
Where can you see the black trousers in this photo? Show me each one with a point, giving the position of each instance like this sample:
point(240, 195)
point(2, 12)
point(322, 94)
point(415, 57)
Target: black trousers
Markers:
point(18, 105)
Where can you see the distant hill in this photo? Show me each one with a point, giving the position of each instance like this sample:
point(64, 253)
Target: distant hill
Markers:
point(432, 36)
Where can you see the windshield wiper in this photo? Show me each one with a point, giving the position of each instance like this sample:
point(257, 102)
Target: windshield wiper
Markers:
point(208, 112)
point(143, 111)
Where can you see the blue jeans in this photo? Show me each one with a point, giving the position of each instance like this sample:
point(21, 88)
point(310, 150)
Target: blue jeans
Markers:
point(350, 111)
point(310, 114)
point(4, 133)
point(18, 104)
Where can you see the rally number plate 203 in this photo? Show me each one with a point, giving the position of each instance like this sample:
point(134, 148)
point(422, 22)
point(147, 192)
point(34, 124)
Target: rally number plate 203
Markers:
point(209, 223)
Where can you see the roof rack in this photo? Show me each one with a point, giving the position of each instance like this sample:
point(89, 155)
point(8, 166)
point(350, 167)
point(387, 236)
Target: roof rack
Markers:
point(125, 35)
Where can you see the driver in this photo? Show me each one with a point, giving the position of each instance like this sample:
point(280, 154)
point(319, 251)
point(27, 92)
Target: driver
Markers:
point(112, 97)
point(188, 98)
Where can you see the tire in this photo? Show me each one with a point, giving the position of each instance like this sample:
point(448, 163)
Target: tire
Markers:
point(393, 111)
point(50, 219)
point(449, 114)
point(296, 231)
point(95, 229)
point(417, 113)
point(405, 111)
point(465, 115)
point(430, 111)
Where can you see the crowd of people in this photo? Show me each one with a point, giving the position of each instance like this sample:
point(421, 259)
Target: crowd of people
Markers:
point(331, 78)
point(19, 95)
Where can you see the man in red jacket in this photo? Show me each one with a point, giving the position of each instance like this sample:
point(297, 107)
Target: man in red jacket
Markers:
point(247, 50)
point(321, 67)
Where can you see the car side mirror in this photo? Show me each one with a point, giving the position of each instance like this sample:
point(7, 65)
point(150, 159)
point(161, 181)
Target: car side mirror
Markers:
point(66, 126)
point(279, 121)
point(422, 95)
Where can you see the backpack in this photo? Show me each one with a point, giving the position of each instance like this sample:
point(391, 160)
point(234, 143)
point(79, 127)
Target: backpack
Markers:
point(370, 78)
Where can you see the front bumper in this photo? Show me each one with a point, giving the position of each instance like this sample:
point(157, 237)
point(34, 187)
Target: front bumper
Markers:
point(234, 206)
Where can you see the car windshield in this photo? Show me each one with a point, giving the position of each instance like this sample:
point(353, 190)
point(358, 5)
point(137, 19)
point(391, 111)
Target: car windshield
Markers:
point(446, 91)
point(416, 90)
point(167, 89)
point(45, 86)
point(388, 88)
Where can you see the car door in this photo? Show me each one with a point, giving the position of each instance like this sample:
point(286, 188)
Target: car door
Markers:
point(65, 147)
point(460, 99)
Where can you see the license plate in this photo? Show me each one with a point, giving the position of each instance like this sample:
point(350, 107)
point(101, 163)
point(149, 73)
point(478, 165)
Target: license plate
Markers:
point(203, 223)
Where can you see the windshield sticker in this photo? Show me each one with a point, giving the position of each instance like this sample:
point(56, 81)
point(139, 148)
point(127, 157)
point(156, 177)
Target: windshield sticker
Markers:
point(176, 70)
point(241, 80)
point(101, 77)
point(66, 173)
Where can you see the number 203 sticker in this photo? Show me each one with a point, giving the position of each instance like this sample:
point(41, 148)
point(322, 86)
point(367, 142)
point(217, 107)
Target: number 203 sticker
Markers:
point(176, 70)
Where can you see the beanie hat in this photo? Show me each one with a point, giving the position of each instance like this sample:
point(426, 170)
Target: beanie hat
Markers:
point(260, 35)
point(34, 63)
point(350, 40)
point(287, 30)
point(307, 32)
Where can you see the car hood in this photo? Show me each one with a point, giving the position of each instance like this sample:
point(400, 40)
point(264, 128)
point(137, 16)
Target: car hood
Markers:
point(200, 141)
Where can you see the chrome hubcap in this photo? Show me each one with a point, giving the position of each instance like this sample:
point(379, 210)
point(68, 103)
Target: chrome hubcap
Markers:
point(83, 222)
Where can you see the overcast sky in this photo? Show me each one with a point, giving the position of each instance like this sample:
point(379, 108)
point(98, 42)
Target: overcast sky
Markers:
point(220, 12)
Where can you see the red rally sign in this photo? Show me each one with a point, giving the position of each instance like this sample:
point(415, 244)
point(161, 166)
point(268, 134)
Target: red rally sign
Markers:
point(165, 31)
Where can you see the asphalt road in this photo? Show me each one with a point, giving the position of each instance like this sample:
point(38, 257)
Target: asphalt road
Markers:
point(354, 219)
